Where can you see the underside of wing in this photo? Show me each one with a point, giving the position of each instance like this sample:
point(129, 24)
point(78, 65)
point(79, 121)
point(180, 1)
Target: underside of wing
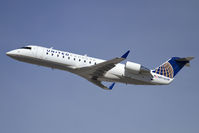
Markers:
point(92, 73)
point(100, 69)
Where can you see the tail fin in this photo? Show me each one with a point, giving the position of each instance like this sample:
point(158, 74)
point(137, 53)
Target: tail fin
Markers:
point(171, 67)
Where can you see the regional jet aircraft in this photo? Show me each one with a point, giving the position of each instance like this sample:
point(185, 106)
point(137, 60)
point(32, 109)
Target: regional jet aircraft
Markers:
point(98, 70)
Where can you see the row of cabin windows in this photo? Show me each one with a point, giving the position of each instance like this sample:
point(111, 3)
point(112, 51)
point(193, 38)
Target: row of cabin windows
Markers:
point(69, 58)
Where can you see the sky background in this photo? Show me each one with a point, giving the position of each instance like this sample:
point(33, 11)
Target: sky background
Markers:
point(36, 99)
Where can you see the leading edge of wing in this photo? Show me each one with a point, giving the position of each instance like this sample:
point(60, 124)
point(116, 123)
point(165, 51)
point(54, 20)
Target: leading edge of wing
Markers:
point(92, 73)
point(106, 65)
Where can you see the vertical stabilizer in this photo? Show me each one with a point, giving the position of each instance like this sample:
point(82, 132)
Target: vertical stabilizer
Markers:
point(171, 67)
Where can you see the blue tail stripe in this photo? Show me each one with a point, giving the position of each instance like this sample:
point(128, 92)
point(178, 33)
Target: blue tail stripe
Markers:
point(177, 66)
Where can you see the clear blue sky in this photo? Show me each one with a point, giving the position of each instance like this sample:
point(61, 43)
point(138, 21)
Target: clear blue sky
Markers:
point(35, 99)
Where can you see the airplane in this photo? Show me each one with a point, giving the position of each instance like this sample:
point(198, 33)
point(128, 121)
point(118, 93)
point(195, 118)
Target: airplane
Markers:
point(97, 70)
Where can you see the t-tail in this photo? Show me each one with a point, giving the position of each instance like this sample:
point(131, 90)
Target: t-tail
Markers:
point(171, 67)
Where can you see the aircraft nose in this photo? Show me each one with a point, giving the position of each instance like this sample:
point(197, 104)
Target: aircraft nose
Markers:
point(11, 53)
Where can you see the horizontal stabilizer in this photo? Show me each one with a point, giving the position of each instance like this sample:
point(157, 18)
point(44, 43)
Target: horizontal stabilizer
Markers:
point(186, 60)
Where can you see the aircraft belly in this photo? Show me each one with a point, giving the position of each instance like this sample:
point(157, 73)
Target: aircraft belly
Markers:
point(46, 63)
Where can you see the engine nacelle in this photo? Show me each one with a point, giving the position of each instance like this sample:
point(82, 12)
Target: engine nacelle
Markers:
point(135, 68)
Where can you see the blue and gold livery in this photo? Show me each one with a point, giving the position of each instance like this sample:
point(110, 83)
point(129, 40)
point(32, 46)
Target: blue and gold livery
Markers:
point(172, 67)
point(165, 69)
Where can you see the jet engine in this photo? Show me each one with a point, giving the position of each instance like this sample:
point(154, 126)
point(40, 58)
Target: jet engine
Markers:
point(135, 68)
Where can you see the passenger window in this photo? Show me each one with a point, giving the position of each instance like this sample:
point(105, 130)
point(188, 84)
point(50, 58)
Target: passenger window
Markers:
point(63, 56)
point(68, 57)
point(79, 60)
point(57, 55)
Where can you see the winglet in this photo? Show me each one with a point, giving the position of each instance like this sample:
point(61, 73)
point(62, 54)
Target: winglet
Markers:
point(111, 87)
point(125, 55)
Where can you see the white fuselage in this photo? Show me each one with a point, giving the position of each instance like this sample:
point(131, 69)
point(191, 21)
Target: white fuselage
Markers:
point(71, 62)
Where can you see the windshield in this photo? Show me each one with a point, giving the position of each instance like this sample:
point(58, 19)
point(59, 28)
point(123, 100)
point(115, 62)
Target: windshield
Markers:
point(26, 48)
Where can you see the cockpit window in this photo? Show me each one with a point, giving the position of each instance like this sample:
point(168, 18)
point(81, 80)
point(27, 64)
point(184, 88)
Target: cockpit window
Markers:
point(26, 48)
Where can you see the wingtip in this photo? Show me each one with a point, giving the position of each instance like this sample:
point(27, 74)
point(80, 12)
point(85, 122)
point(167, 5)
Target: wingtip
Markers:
point(190, 58)
point(111, 87)
point(126, 54)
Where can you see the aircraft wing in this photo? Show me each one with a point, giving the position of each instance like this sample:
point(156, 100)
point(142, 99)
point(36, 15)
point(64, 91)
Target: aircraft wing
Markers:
point(92, 73)
point(100, 69)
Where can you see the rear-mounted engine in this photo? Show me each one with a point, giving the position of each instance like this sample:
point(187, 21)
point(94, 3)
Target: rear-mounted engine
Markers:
point(135, 68)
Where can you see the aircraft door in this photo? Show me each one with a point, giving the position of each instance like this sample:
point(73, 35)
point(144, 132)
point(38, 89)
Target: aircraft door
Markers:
point(34, 51)
point(40, 53)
